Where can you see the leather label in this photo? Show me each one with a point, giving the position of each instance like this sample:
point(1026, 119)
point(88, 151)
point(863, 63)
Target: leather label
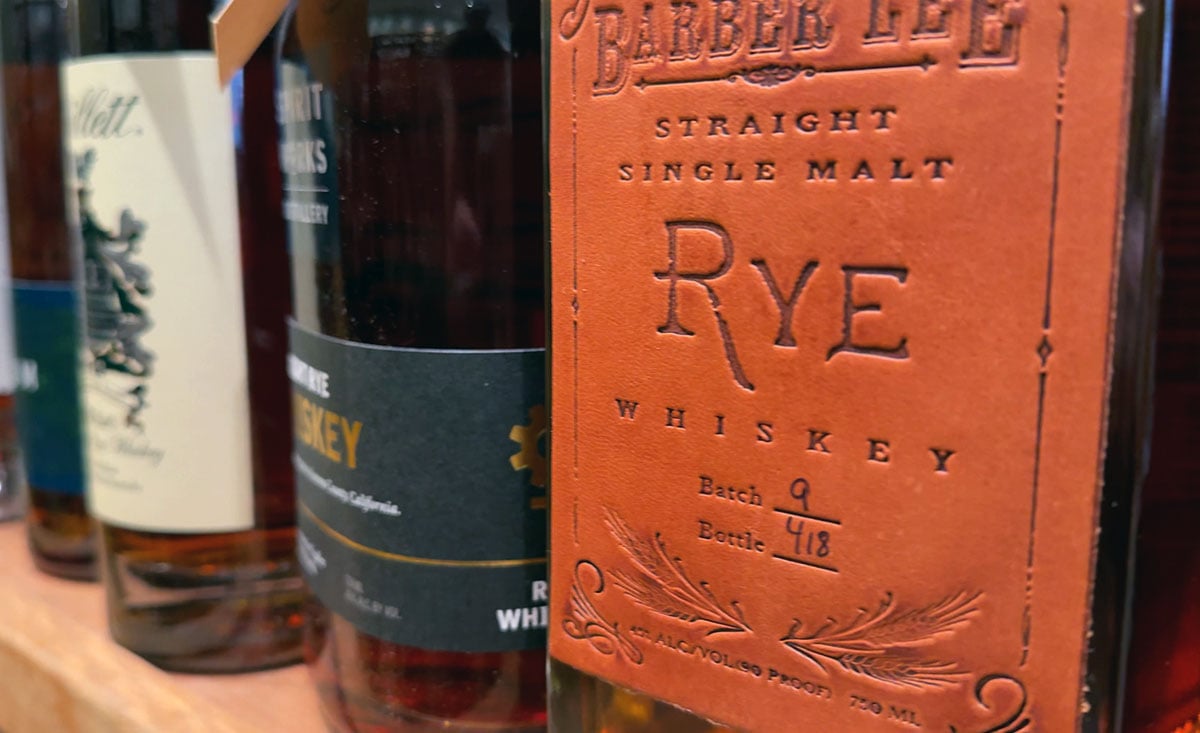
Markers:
point(832, 295)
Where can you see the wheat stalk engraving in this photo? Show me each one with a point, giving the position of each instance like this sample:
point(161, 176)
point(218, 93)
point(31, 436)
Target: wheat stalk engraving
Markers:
point(887, 644)
point(659, 582)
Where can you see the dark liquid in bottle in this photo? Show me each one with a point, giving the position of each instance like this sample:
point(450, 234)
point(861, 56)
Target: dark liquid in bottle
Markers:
point(61, 535)
point(1164, 656)
point(436, 140)
point(221, 602)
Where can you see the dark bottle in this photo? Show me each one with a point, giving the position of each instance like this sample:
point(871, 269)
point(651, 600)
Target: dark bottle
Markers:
point(12, 484)
point(1163, 677)
point(189, 470)
point(413, 187)
point(61, 535)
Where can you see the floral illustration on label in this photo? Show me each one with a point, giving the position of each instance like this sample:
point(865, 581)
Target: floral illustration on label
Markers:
point(585, 622)
point(659, 582)
point(116, 287)
point(886, 644)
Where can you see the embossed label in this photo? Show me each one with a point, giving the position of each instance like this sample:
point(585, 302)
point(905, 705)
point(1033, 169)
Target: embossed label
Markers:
point(831, 306)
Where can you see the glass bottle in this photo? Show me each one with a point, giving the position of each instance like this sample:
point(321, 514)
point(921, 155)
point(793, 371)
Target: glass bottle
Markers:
point(12, 484)
point(413, 188)
point(176, 182)
point(61, 534)
point(1163, 678)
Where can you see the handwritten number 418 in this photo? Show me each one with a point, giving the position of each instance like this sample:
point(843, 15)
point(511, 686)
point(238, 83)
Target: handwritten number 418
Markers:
point(807, 542)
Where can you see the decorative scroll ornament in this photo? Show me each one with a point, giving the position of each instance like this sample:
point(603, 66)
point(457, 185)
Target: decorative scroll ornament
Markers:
point(1017, 720)
point(572, 20)
point(585, 622)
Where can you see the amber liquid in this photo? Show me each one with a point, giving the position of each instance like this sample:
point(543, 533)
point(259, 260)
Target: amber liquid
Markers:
point(61, 535)
point(225, 602)
point(1153, 619)
point(12, 485)
point(436, 134)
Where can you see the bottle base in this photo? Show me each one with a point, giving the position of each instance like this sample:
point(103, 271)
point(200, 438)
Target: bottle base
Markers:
point(83, 570)
point(62, 537)
point(207, 604)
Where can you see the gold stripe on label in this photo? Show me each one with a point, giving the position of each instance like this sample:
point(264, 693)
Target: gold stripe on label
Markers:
point(397, 557)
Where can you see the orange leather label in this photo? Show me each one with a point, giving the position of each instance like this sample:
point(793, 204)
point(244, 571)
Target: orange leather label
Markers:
point(831, 308)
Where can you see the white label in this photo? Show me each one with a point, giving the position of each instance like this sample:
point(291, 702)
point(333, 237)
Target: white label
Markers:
point(8, 347)
point(168, 444)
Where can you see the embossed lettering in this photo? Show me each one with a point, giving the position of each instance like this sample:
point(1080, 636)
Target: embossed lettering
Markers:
point(786, 306)
point(882, 26)
point(673, 276)
point(627, 408)
point(611, 67)
point(685, 44)
point(995, 33)
point(943, 456)
point(850, 308)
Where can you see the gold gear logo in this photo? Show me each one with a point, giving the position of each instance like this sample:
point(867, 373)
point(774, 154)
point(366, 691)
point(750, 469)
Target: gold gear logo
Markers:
point(528, 437)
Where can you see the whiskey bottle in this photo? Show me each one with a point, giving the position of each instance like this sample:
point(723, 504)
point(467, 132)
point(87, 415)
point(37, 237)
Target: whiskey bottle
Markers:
point(61, 535)
point(1163, 687)
point(186, 301)
point(853, 332)
point(411, 151)
point(12, 486)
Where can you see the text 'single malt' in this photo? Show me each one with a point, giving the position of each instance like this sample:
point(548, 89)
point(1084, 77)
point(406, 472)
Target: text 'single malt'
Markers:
point(851, 309)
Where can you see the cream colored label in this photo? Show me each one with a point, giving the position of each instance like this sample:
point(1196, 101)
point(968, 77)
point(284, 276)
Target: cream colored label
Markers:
point(166, 385)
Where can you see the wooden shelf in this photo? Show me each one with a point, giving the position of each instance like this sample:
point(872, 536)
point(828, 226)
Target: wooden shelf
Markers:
point(60, 671)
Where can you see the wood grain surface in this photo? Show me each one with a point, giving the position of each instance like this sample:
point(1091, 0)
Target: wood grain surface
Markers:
point(61, 673)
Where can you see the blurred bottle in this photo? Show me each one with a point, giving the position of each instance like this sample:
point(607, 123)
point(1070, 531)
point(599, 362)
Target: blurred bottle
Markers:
point(186, 292)
point(61, 535)
point(12, 483)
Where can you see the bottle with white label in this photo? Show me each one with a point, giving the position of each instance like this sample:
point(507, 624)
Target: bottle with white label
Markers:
point(185, 293)
point(62, 537)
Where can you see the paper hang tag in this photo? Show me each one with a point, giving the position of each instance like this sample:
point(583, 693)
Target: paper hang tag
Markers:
point(239, 28)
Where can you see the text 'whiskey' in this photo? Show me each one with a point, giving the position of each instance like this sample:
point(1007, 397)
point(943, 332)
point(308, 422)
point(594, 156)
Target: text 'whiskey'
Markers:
point(853, 308)
point(411, 152)
point(45, 303)
point(186, 294)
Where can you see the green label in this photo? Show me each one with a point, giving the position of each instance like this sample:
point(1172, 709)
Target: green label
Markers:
point(48, 399)
point(421, 481)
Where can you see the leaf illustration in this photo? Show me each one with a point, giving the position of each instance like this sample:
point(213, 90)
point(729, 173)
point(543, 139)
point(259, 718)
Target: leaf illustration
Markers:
point(886, 643)
point(659, 582)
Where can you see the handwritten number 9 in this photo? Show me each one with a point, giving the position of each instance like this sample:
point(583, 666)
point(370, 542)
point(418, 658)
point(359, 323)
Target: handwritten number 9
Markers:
point(799, 491)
